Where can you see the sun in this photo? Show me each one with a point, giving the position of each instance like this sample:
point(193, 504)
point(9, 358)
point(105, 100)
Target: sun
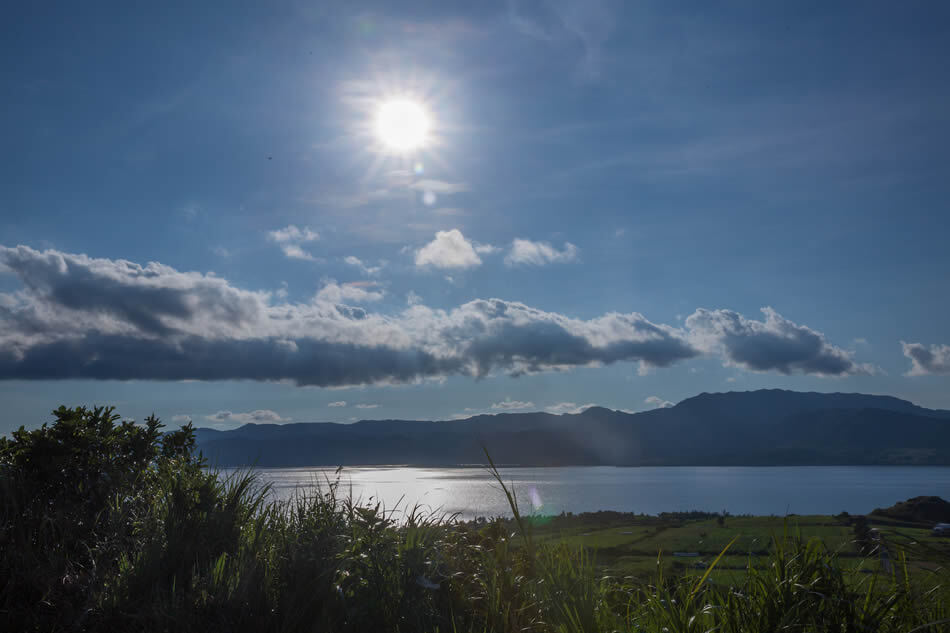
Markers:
point(402, 125)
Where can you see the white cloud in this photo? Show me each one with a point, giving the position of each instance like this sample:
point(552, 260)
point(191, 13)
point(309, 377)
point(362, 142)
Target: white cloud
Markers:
point(775, 344)
point(657, 402)
point(449, 249)
point(338, 403)
point(512, 405)
point(526, 252)
point(412, 298)
point(181, 417)
point(291, 234)
point(354, 199)
point(290, 238)
point(927, 360)
point(352, 260)
point(287, 345)
point(367, 406)
point(394, 185)
point(78, 317)
point(260, 416)
point(440, 187)
point(221, 251)
point(293, 251)
point(568, 407)
point(485, 249)
point(333, 292)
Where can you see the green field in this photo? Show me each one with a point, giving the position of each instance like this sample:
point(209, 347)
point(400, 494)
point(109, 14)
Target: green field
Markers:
point(639, 546)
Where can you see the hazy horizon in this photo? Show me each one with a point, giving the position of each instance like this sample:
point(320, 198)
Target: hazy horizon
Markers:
point(207, 424)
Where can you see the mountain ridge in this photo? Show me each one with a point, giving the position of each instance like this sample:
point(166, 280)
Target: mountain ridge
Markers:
point(763, 427)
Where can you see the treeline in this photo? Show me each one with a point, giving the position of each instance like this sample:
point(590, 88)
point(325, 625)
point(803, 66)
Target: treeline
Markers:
point(110, 526)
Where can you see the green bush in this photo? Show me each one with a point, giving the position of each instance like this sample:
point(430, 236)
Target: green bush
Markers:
point(59, 488)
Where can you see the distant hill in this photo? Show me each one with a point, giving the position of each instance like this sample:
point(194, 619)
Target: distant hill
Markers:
point(755, 428)
point(918, 510)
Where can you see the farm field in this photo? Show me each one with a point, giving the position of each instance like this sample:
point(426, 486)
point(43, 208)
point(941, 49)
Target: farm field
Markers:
point(640, 546)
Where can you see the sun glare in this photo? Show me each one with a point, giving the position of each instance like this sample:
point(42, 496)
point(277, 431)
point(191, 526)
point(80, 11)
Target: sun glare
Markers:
point(402, 125)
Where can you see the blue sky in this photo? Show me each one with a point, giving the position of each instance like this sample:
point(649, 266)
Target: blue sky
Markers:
point(198, 217)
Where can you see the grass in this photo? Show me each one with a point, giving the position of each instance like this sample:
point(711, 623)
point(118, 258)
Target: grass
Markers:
point(633, 545)
point(107, 526)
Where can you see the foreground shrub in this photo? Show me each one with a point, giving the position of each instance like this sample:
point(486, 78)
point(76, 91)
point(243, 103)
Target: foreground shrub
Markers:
point(60, 535)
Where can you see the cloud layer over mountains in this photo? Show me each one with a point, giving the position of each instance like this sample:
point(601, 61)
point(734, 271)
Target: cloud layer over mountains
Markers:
point(82, 317)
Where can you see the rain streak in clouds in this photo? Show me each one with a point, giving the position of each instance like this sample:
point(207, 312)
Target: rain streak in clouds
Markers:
point(83, 317)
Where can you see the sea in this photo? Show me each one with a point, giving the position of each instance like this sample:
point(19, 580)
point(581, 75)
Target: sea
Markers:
point(473, 492)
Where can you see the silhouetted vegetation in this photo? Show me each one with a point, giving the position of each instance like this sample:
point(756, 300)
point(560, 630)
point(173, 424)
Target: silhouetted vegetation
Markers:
point(110, 526)
point(918, 510)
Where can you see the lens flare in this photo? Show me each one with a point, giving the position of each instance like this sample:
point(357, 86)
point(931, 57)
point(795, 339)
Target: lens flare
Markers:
point(536, 503)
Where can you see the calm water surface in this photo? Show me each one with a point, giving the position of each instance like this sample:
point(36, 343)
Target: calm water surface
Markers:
point(740, 490)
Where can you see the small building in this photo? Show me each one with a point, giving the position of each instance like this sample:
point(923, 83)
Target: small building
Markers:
point(941, 529)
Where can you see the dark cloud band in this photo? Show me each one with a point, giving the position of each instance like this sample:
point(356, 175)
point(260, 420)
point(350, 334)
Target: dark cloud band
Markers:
point(80, 317)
